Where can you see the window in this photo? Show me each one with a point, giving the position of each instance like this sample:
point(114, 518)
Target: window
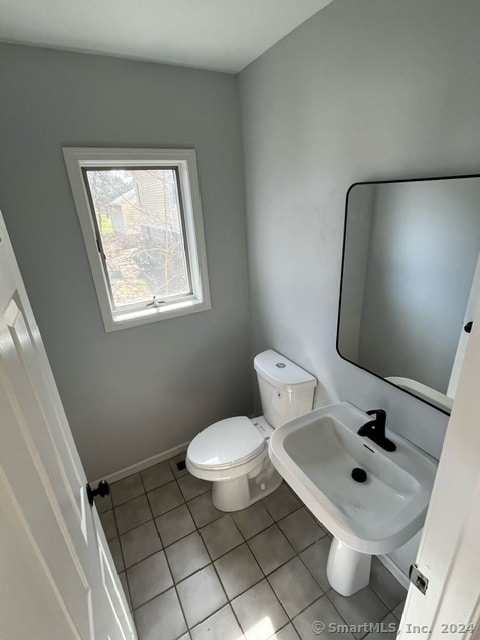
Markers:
point(141, 220)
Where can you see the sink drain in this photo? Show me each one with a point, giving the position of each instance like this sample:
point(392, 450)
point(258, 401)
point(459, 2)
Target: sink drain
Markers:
point(359, 475)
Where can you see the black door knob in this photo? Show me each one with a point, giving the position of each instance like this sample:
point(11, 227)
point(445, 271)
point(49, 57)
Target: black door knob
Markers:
point(468, 327)
point(102, 490)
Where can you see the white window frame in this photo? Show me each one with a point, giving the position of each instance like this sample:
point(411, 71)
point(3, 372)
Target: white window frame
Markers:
point(79, 158)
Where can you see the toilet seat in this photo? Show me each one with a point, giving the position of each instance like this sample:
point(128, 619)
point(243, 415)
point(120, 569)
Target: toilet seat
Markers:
point(226, 444)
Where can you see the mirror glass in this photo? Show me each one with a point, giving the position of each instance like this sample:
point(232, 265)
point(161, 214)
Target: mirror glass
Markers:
point(409, 281)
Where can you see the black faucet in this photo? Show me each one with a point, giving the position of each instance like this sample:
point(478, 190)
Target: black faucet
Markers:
point(375, 430)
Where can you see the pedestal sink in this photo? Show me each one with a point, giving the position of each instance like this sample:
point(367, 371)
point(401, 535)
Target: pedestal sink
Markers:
point(317, 453)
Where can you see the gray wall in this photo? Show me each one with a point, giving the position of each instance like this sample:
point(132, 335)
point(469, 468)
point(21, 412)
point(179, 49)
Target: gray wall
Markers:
point(136, 392)
point(366, 90)
point(423, 252)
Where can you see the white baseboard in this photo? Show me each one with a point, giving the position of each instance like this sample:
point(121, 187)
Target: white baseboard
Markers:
point(395, 571)
point(144, 464)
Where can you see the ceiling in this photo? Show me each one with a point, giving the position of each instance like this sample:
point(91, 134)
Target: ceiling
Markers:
point(221, 35)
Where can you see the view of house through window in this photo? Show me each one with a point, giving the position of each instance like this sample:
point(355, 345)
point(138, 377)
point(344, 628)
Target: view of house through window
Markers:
point(140, 233)
point(140, 214)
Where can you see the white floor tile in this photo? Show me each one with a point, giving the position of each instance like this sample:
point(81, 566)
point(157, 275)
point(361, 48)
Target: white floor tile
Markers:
point(140, 542)
point(148, 579)
point(397, 612)
point(157, 476)
point(165, 498)
point(386, 585)
point(202, 510)
point(321, 613)
point(385, 630)
point(108, 524)
point(132, 514)
point(174, 524)
point(117, 555)
point(315, 557)
point(221, 626)
point(259, 612)
point(192, 487)
point(252, 520)
point(187, 556)
point(271, 549)
point(103, 504)
point(363, 606)
point(238, 570)
point(126, 489)
point(161, 617)
point(201, 595)
point(294, 586)
point(301, 529)
point(221, 536)
point(281, 502)
point(287, 633)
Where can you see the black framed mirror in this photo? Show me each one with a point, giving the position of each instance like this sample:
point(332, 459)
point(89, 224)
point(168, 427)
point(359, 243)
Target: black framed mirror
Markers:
point(410, 279)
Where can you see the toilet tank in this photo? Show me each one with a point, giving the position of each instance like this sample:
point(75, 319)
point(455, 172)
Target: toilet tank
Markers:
point(286, 390)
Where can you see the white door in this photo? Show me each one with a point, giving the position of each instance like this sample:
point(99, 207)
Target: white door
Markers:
point(449, 555)
point(57, 579)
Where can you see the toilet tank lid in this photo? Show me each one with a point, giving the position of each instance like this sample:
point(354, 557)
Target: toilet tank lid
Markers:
point(280, 371)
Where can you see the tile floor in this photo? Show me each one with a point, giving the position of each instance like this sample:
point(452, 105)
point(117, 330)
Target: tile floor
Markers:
point(191, 572)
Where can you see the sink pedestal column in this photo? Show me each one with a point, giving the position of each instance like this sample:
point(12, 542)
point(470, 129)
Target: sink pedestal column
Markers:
point(348, 570)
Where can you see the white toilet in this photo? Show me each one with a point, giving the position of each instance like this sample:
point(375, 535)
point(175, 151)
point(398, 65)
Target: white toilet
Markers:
point(233, 453)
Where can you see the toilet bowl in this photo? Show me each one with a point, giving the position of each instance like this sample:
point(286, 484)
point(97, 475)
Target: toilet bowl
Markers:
point(233, 453)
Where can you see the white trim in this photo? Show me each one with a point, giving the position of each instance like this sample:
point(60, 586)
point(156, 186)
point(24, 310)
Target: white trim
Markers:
point(78, 158)
point(144, 464)
point(135, 318)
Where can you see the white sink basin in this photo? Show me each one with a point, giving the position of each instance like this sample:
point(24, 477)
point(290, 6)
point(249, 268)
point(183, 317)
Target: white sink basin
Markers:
point(316, 454)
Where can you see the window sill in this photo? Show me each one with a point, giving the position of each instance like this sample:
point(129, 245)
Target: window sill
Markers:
point(129, 319)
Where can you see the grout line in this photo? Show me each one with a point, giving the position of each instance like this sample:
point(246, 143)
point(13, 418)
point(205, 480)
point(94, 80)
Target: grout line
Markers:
point(305, 608)
point(265, 575)
point(174, 586)
point(239, 594)
point(212, 562)
point(307, 567)
point(341, 617)
point(245, 540)
point(126, 570)
point(129, 599)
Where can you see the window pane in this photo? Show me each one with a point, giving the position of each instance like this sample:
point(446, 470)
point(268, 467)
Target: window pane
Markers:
point(139, 220)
